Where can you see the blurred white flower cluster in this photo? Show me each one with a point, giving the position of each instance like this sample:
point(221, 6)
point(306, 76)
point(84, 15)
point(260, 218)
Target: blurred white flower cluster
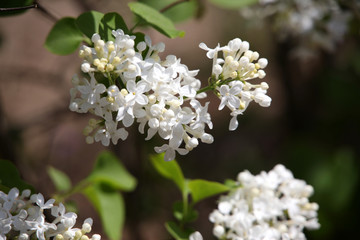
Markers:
point(231, 74)
point(270, 205)
point(22, 217)
point(129, 83)
point(196, 236)
point(312, 24)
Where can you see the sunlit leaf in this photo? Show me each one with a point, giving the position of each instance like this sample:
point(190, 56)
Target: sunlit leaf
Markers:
point(110, 171)
point(231, 4)
point(109, 204)
point(64, 38)
point(169, 169)
point(156, 19)
point(60, 179)
point(201, 189)
point(88, 22)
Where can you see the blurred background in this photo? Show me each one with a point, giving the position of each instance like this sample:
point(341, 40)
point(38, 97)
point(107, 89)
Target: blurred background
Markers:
point(312, 125)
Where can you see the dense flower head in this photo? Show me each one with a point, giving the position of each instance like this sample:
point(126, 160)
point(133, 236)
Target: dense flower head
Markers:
point(22, 217)
point(313, 24)
point(234, 65)
point(127, 82)
point(271, 205)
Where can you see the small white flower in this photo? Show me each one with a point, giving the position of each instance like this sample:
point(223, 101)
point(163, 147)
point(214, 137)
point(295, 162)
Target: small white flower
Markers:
point(229, 97)
point(196, 236)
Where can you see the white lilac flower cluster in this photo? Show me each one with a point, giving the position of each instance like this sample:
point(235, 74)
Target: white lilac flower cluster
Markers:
point(22, 217)
point(270, 205)
point(319, 24)
point(231, 72)
point(130, 82)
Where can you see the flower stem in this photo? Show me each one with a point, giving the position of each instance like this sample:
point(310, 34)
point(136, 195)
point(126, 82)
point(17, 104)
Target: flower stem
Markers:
point(185, 207)
point(61, 197)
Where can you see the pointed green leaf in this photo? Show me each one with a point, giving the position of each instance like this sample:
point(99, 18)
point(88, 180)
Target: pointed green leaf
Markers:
point(111, 21)
point(169, 169)
point(201, 189)
point(110, 206)
point(10, 177)
point(231, 4)
point(110, 171)
point(176, 232)
point(60, 179)
point(64, 38)
point(88, 22)
point(156, 19)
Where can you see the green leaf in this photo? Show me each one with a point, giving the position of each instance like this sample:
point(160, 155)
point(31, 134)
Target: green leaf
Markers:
point(191, 213)
point(64, 38)
point(201, 189)
point(60, 179)
point(110, 171)
point(156, 19)
point(169, 169)
point(10, 177)
point(231, 4)
point(176, 232)
point(231, 183)
point(14, 4)
point(88, 22)
point(178, 13)
point(111, 21)
point(109, 204)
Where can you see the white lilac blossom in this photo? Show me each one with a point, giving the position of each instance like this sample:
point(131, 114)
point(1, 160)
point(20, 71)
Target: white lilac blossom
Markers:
point(142, 88)
point(22, 217)
point(126, 82)
point(231, 73)
point(271, 205)
point(312, 24)
point(195, 236)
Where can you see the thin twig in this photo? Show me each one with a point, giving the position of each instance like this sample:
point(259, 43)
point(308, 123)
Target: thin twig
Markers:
point(17, 8)
point(46, 12)
point(34, 5)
